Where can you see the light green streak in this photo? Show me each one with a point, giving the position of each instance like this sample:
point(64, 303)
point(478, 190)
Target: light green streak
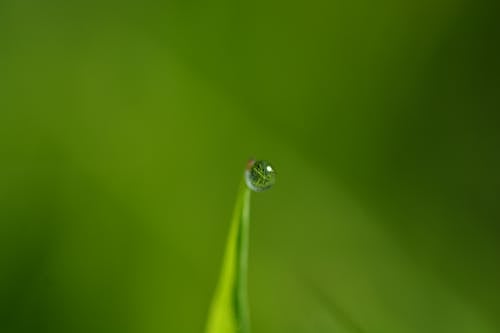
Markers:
point(229, 310)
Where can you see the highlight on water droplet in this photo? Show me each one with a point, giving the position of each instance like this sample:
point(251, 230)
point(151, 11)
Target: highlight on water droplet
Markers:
point(260, 175)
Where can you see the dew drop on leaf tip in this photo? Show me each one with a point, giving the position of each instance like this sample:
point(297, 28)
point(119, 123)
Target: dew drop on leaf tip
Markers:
point(260, 175)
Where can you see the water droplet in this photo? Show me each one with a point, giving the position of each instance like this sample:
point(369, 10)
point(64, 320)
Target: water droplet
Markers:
point(260, 175)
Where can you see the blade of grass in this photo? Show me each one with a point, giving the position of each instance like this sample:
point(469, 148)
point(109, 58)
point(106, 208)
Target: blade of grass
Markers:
point(229, 309)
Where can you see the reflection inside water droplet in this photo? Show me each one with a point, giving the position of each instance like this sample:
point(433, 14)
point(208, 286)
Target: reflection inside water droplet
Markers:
point(260, 175)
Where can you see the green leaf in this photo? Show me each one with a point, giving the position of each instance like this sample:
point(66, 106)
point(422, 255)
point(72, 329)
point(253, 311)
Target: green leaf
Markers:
point(229, 310)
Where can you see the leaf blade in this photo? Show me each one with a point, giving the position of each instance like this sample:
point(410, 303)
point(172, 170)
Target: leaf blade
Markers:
point(229, 310)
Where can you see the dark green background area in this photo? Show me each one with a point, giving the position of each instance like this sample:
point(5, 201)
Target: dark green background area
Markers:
point(125, 128)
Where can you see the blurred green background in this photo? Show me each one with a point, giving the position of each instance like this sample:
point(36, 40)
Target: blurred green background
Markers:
point(125, 128)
